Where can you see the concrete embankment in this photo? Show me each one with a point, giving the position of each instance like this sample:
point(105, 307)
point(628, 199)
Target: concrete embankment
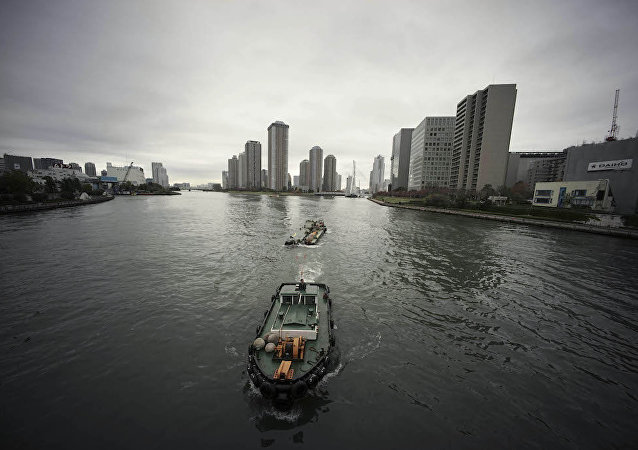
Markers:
point(9, 209)
point(618, 232)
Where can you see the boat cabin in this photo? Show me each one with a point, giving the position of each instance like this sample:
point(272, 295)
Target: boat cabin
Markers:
point(297, 312)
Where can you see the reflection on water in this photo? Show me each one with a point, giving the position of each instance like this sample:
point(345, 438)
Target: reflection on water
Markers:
point(128, 322)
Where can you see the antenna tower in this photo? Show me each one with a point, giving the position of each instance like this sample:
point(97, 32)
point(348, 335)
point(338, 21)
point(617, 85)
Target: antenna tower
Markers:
point(613, 131)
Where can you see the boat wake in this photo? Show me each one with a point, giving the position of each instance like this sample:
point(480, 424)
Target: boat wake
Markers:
point(363, 350)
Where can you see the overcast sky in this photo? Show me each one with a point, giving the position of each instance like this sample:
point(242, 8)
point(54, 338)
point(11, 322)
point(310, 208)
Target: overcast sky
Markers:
point(187, 83)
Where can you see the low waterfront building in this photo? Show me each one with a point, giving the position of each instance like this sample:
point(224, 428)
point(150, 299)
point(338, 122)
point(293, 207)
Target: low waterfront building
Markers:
point(21, 163)
point(135, 174)
point(59, 174)
point(593, 194)
point(615, 161)
point(45, 163)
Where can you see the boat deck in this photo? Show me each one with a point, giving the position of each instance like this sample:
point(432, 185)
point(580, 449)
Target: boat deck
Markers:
point(283, 318)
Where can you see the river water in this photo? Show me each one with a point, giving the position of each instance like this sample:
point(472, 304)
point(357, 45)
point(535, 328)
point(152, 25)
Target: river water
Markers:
point(126, 325)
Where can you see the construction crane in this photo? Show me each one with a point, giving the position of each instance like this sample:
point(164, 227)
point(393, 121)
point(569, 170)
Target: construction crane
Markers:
point(613, 131)
point(127, 172)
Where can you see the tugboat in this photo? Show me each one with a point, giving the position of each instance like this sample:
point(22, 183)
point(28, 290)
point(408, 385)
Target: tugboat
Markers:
point(312, 231)
point(292, 346)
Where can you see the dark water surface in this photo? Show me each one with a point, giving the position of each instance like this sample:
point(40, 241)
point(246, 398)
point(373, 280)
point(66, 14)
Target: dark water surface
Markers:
point(126, 325)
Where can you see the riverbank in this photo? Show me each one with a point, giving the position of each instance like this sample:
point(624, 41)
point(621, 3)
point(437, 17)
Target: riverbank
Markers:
point(31, 207)
point(618, 232)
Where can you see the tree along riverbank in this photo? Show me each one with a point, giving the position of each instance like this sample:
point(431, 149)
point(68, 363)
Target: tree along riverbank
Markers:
point(618, 232)
point(43, 206)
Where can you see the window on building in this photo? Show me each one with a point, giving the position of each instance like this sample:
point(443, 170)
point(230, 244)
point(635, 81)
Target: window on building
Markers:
point(579, 192)
point(543, 200)
point(544, 193)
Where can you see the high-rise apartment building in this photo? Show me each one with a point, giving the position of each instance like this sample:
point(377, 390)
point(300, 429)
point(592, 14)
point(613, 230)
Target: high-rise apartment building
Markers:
point(316, 160)
point(264, 178)
point(242, 170)
point(400, 160)
point(377, 175)
point(89, 169)
point(233, 172)
point(278, 156)
point(159, 174)
point(45, 163)
point(535, 167)
point(482, 137)
point(253, 164)
point(338, 186)
point(431, 153)
point(224, 179)
point(304, 175)
point(329, 174)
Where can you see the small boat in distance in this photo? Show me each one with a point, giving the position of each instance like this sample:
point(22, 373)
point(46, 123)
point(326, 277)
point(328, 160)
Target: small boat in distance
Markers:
point(309, 234)
point(292, 346)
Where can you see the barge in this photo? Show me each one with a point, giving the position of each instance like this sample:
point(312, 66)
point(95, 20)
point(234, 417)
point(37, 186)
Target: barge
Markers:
point(309, 234)
point(293, 344)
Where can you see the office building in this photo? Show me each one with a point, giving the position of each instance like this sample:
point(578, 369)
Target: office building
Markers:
point(264, 178)
point(45, 163)
point(233, 172)
point(89, 169)
point(330, 174)
point(431, 153)
point(304, 175)
point(338, 187)
point(21, 163)
point(400, 159)
point(278, 156)
point(253, 165)
point(316, 160)
point(1, 165)
point(481, 138)
point(377, 175)
point(75, 166)
point(295, 181)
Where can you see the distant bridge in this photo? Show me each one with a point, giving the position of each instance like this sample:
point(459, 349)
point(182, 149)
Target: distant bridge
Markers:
point(331, 193)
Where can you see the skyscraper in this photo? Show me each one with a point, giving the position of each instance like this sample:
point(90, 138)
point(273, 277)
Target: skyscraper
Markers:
point(377, 174)
point(242, 171)
point(159, 174)
point(89, 169)
point(431, 153)
point(482, 137)
point(233, 168)
point(304, 175)
point(400, 160)
point(264, 178)
point(316, 158)
point(224, 179)
point(253, 165)
point(278, 156)
point(329, 173)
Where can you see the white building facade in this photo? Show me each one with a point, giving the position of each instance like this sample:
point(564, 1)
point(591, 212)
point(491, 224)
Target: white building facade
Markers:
point(431, 151)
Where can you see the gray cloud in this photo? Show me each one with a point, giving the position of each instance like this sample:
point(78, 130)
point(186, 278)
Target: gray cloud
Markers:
point(187, 83)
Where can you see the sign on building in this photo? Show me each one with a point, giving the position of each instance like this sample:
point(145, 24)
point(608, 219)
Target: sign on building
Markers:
point(620, 164)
